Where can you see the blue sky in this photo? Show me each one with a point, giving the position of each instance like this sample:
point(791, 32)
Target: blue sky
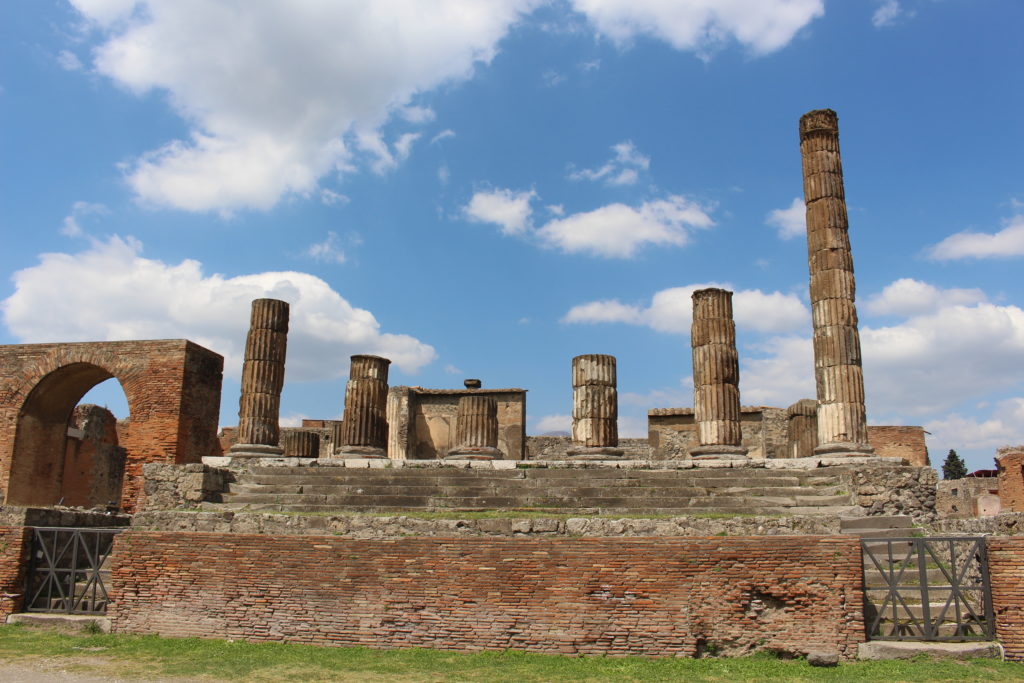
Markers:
point(486, 189)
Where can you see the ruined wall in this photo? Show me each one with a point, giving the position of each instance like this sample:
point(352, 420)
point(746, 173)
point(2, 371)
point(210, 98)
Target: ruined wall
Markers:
point(170, 486)
point(14, 543)
point(956, 498)
point(901, 442)
point(93, 461)
point(1006, 571)
point(173, 393)
point(672, 432)
point(1011, 477)
point(427, 417)
point(556, 447)
point(657, 596)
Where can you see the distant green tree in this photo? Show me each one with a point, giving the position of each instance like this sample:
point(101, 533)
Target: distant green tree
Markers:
point(953, 467)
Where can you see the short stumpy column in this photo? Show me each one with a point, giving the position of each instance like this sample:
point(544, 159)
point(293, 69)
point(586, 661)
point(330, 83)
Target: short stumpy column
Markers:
point(476, 429)
point(716, 376)
point(842, 421)
point(802, 428)
point(595, 408)
point(365, 424)
point(262, 381)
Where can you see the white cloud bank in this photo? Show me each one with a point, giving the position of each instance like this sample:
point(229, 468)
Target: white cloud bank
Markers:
point(622, 169)
point(703, 26)
point(1006, 243)
point(790, 222)
point(110, 292)
point(272, 89)
point(907, 296)
point(671, 310)
point(611, 231)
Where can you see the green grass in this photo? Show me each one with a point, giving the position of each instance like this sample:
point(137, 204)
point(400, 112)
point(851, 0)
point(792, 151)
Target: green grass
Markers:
point(140, 657)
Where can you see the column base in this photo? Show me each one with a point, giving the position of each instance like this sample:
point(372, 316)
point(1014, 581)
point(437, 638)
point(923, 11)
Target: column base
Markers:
point(593, 453)
point(255, 450)
point(719, 452)
point(842, 449)
point(474, 453)
point(368, 452)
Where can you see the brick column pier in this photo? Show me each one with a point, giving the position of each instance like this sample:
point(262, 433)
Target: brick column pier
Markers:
point(595, 408)
point(476, 429)
point(262, 381)
point(365, 425)
point(842, 421)
point(716, 377)
point(802, 428)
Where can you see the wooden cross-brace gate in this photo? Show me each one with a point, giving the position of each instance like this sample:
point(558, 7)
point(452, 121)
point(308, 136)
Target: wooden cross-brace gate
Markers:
point(928, 589)
point(68, 570)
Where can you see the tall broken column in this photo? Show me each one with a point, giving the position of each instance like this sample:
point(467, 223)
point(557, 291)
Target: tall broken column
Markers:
point(365, 424)
point(842, 421)
point(476, 428)
point(716, 377)
point(262, 380)
point(595, 408)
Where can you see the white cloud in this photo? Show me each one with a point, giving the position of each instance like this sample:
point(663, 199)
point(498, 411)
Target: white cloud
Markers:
point(110, 292)
point(452, 370)
point(889, 13)
point(554, 423)
point(69, 61)
point(783, 376)
point(385, 159)
point(1004, 427)
point(791, 221)
point(671, 310)
point(323, 69)
point(443, 135)
point(508, 209)
point(555, 209)
point(1006, 243)
point(71, 225)
point(703, 26)
point(328, 251)
point(907, 296)
point(332, 198)
point(418, 114)
point(622, 169)
point(292, 419)
point(619, 231)
point(552, 78)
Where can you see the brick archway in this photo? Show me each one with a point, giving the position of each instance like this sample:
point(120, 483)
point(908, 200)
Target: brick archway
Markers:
point(173, 392)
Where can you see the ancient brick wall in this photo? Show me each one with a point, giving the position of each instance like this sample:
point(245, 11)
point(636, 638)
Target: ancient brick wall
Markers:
point(14, 541)
point(93, 462)
point(957, 498)
point(900, 441)
point(1011, 478)
point(636, 596)
point(1006, 571)
point(173, 393)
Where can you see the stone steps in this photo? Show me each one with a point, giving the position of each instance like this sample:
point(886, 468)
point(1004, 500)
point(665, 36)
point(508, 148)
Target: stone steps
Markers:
point(659, 512)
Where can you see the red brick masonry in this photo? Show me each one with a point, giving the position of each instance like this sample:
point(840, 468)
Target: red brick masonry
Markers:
point(14, 541)
point(615, 596)
point(1006, 571)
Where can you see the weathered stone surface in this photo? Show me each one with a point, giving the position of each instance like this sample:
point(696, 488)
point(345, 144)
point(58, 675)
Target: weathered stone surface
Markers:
point(365, 426)
point(476, 428)
point(298, 444)
point(802, 432)
point(840, 384)
point(167, 486)
point(821, 658)
point(716, 374)
point(888, 649)
point(595, 406)
point(262, 378)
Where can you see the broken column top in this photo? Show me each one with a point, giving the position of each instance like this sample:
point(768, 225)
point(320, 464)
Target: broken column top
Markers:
point(819, 120)
point(269, 314)
point(365, 366)
point(712, 302)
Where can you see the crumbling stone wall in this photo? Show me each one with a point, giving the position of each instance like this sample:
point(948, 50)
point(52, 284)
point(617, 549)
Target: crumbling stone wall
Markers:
point(1011, 477)
point(556, 448)
point(957, 497)
point(905, 442)
point(173, 392)
point(897, 491)
point(672, 432)
point(93, 466)
point(596, 596)
point(181, 486)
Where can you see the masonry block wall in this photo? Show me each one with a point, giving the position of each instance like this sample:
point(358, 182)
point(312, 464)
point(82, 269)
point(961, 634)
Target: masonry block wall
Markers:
point(1011, 478)
point(900, 441)
point(14, 543)
point(173, 393)
point(601, 596)
point(672, 432)
point(1006, 571)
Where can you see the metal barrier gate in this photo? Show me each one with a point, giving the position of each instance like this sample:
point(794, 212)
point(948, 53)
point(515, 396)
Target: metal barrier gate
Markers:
point(931, 589)
point(67, 570)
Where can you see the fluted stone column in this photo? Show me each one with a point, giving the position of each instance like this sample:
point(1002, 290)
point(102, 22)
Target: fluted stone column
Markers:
point(301, 444)
point(476, 429)
point(802, 428)
point(595, 408)
point(262, 381)
point(716, 377)
point(365, 425)
point(842, 421)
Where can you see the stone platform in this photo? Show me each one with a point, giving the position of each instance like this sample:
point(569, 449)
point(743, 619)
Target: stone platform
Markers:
point(838, 487)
